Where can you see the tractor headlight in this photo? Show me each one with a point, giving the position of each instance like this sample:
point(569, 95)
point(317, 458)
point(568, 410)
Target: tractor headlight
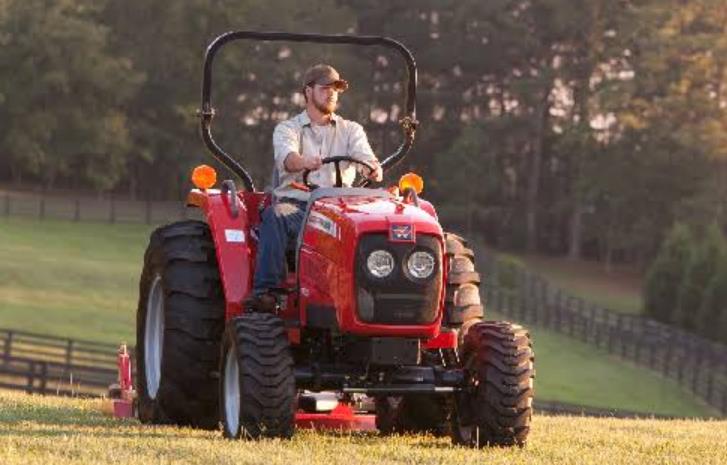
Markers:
point(380, 263)
point(421, 264)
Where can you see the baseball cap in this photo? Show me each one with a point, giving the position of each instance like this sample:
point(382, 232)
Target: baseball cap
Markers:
point(324, 75)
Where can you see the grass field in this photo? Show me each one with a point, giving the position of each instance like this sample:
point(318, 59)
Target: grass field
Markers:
point(571, 371)
point(69, 279)
point(80, 281)
point(37, 430)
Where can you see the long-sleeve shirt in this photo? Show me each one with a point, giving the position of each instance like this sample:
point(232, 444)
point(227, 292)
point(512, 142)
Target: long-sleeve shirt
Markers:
point(339, 138)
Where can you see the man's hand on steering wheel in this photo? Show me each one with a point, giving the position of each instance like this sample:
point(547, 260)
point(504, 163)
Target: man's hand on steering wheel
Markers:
point(375, 171)
point(312, 162)
point(377, 174)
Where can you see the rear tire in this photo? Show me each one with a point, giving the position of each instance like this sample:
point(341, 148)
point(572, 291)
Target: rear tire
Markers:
point(463, 304)
point(179, 326)
point(496, 409)
point(257, 385)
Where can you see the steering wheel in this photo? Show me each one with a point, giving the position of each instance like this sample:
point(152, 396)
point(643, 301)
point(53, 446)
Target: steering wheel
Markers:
point(339, 179)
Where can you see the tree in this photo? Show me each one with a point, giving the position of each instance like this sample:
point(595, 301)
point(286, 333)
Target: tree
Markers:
point(664, 278)
point(63, 93)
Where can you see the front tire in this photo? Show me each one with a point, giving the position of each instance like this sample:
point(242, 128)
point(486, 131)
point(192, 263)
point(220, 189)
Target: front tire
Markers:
point(257, 385)
point(496, 409)
point(179, 326)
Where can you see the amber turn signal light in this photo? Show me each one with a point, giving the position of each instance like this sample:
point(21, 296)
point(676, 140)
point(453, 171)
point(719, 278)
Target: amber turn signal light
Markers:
point(413, 181)
point(204, 177)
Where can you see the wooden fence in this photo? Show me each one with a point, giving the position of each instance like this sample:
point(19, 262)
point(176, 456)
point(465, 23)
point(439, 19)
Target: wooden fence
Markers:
point(697, 364)
point(44, 364)
point(77, 208)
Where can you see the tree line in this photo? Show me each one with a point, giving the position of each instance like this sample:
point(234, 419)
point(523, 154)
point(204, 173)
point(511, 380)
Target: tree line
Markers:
point(577, 128)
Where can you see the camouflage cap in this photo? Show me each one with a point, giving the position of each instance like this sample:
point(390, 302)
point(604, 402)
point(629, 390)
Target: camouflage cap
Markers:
point(324, 75)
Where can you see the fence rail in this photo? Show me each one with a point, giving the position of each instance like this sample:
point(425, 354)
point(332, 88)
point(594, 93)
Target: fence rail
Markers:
point(697, 364)
point(40, 347)
point(44, 377)
point(38, 363)
point(76, 208)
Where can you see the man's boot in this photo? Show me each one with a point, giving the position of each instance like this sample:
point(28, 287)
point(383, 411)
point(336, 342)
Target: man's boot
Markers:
point(266, 302)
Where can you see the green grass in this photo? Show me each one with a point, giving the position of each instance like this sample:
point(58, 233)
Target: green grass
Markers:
point(38, 430)
point(574, 372)
point(81, 281)
point(72, 280)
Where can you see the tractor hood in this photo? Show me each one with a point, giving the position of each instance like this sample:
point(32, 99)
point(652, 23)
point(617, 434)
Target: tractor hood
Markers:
point(344, 227)
point(378, 212)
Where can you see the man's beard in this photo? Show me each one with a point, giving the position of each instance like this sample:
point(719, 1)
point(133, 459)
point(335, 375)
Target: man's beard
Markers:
point(324, 107)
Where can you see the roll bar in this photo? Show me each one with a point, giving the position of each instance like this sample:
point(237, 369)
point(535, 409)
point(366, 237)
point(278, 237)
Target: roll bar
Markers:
point(207, 112)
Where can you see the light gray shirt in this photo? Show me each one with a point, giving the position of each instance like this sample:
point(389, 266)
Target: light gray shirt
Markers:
point(340, 138)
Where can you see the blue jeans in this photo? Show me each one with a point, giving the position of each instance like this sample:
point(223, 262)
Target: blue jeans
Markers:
point(279, 228)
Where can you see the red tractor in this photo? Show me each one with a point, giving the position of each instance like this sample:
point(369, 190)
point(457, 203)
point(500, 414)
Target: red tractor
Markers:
point(379, 301)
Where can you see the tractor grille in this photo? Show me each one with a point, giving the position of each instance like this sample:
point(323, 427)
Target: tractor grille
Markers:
point(397, 299)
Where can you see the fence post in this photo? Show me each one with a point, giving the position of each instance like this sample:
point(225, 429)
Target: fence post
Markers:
point(582, 323)
point(69, 353)
point(31, 377)
point(611, 332)
point(622, 336)
point(591, 326)
point(77, 211)
point(571, 316)
point(43, 377)
point(8, 346)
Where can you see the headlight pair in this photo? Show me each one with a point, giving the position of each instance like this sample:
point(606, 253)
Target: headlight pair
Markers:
point(420, 264)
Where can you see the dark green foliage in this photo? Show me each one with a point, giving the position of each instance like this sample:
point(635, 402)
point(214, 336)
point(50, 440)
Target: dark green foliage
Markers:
point(661, 290)
point(707, 254)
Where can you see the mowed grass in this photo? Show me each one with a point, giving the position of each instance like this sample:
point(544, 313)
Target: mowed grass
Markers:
point(59, 431)
point(80, 280)
point(69, 279)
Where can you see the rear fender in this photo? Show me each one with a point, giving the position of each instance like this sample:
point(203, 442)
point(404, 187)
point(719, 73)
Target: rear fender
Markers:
point(234, 246)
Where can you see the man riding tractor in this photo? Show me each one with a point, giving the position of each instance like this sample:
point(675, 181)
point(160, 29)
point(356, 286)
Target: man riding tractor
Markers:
point(356, 290)
point(300, 144)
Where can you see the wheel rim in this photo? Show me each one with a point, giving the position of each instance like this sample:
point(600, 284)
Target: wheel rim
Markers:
point(154, 337)
point(232, 393)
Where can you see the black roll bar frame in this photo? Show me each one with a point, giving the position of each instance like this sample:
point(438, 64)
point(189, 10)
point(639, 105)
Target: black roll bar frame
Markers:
point(408, 122)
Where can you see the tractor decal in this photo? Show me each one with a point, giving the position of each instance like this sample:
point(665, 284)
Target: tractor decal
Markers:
point(323, 223)
point(401, 233)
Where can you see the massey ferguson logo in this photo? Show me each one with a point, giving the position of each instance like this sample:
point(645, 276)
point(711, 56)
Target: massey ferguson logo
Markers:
point(401, 232)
